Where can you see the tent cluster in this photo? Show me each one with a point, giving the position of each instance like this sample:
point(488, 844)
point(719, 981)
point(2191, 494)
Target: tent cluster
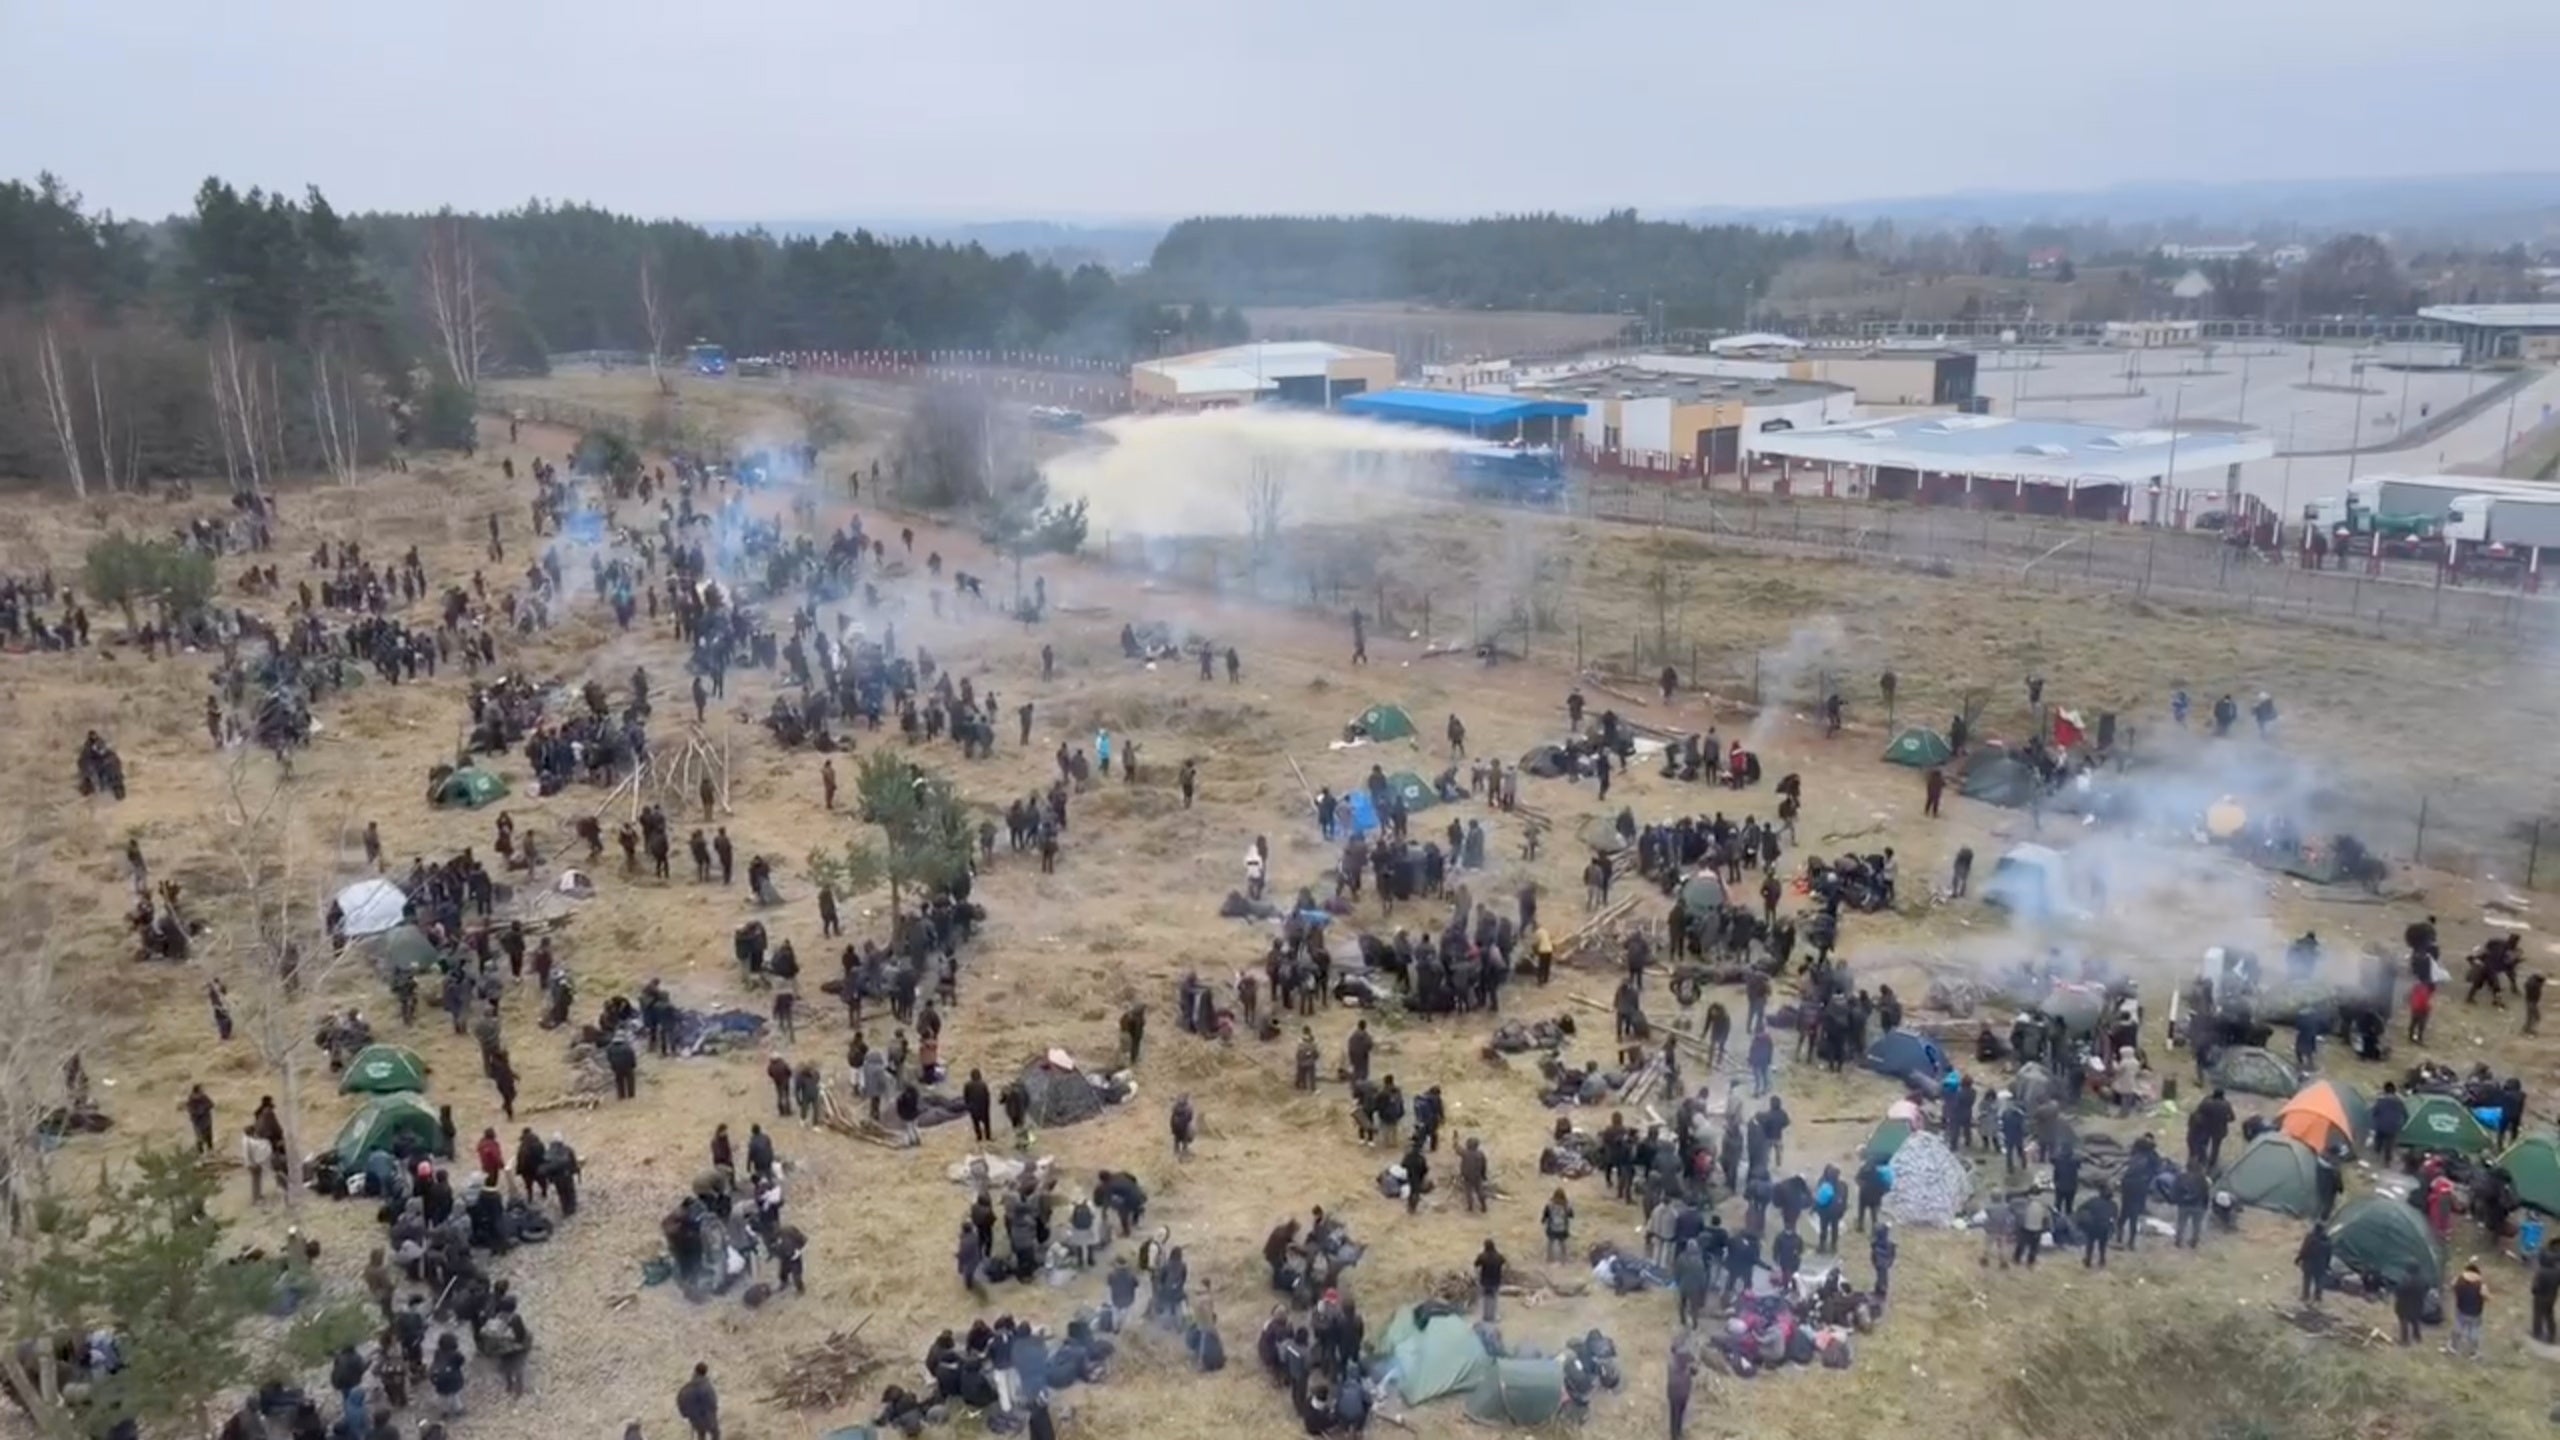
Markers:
point(394, 1080)
point(1429, 1352)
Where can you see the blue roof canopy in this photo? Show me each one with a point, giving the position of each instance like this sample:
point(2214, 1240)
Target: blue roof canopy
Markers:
point(1455, 409)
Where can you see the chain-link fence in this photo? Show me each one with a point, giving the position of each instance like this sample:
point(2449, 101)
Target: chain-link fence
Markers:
point(2474, 832)
point(2043, 554)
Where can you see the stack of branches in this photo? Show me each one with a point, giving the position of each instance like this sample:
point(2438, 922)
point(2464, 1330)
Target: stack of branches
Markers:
point(1647, 1078)
point(828, 1375)
point(1599, 940)
point(840, 1112)
point(671, 778)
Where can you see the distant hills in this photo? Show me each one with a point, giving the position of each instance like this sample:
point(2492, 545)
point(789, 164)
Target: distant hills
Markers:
point(2517, 206)
point(1116, 247)
point(2472, 208)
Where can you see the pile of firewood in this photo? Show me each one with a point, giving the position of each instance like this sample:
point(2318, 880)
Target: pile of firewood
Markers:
point(827, 1375)
point(839, 1111)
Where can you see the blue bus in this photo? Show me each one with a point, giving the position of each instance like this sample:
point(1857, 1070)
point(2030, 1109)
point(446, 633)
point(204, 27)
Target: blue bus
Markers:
point(705, 358)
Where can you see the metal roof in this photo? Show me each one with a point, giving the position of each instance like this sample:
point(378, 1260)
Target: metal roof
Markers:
point(1267, 359)
point(1218, 380)
point(2507, 317)
point(1637, 382)
point(1756, 340)
point(1456, 409)
point(1998, 446)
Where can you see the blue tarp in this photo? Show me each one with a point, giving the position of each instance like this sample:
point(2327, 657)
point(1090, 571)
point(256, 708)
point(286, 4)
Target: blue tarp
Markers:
point(1456, 409)
point(1364, 814)
point(701, 1030)
point(1899, 1053)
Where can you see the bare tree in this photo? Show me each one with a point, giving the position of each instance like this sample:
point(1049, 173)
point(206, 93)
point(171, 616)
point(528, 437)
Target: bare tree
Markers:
point(333, 412)
point(35, 1033)
point(454, 301)
point(243, 409)
point(278, 964)
point(1266, 506)
point(106, 432)
point(57, 406)
point(653, 316)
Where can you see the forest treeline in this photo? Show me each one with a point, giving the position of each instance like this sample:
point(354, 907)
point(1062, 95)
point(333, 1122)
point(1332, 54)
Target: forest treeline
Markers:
point(1672, 274)
point(264, 333)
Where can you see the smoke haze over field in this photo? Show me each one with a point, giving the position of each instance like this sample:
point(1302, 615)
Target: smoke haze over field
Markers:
point(1196, 474)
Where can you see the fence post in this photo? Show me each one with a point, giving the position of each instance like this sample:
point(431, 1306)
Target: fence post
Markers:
point(2150, 554)
point(2533, 855)
point(2418, 852)
point(1426, 618)
point(1756, 697)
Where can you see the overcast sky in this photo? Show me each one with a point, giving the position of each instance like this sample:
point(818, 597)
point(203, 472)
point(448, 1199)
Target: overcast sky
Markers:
point(1158, 108)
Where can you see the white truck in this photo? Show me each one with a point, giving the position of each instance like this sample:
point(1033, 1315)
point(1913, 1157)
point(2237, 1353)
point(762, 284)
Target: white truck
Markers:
point(2407, 510)
point(2503, 535)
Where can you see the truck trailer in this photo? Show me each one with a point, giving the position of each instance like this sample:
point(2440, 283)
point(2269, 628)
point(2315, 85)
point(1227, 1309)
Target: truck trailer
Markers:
point(2503, 536)
point(2406, 512)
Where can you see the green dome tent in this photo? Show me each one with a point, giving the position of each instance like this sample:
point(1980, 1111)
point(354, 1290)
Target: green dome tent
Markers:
point(2382, 1234)
point(2438, 1125)
point(384, 1070)
point(1999, 778)
point(1441, 1357)
point(1385, 722)
point(469, 787)
point(1415, 791)
point(405, 948)
point(382, 1120)
point(2534, 1164)
point(2276, 1172)
point(2253, 1071)
point(1919, 747)
point(1887, 1140)
point(1518, 1392)
point(1702, 893)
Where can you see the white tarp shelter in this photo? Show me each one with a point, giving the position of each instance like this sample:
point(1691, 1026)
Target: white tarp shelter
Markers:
point(370, 907)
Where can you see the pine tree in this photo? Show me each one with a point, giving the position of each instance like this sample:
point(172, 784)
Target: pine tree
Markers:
point(149, 1260)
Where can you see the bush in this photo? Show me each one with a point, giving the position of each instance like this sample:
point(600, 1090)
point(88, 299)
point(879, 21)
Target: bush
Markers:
point(448, 419)
point(824, 422)
point(123, 572)
point(607, 453)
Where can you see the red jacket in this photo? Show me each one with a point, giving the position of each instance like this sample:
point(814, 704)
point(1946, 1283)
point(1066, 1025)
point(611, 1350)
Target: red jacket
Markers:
point(493, 1156)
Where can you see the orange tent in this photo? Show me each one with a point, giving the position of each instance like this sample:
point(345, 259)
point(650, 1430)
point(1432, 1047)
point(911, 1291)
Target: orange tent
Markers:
point(2325, 1113)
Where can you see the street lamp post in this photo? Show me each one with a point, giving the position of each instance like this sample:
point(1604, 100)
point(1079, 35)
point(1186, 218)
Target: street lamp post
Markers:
point(2355, 437)
point(2508, 441)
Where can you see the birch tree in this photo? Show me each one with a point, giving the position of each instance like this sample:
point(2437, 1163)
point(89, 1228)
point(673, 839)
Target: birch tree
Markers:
point(278, 964)
point(57, 407)
point(243, 408)
point(454, 302)
point(333, 414)
point(653, 319)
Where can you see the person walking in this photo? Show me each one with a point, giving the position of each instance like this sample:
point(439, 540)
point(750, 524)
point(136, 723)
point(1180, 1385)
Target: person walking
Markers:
point(2546, 1291)
point(1556, 1221)
point(2312, 1259)
point(699, 1403)
point(1683, 1381)
point(1489, 1266)
point(2470, 1307)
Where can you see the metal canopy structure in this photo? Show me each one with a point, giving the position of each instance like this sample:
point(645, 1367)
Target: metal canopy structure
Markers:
point(1464, 410)
point(2037, 452)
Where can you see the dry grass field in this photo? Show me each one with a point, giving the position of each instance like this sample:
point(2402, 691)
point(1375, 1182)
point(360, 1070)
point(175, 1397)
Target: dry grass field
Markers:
point(1133, 905)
